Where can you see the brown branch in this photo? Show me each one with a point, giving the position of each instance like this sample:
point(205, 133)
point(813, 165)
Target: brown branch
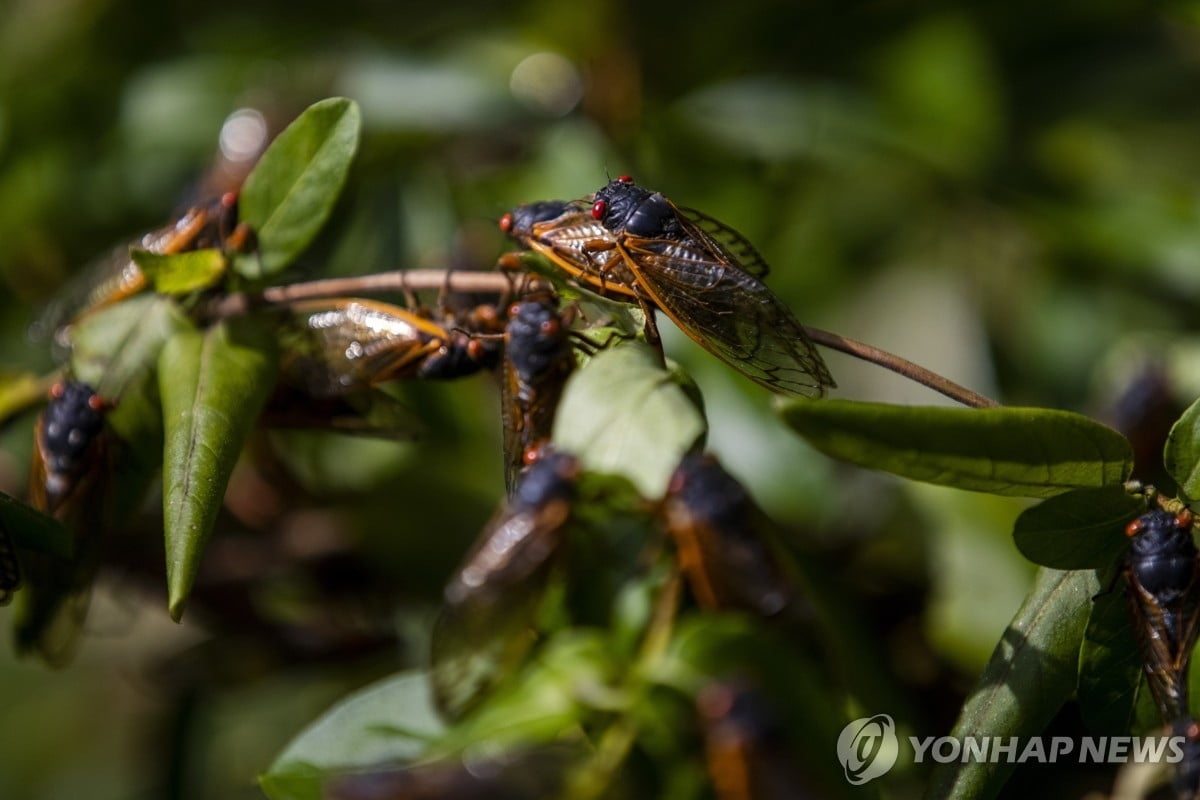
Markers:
point(901, 366)
point(499, 283)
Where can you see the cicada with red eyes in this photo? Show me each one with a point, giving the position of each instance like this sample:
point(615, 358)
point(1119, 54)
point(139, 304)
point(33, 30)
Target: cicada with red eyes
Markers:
point(1162, 572)
point(70, 465)
point(538, 359)
point(67, 446)
point(716, 529)
point(629, 243)
point(491, 602)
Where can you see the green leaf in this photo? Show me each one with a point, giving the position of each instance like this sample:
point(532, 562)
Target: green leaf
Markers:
point(213, 386)
point(1181, 456)
point(180, 273)
point(111, 347)
point(392, 720)
point(1030, 452)
point(293, 188)
point(1110, 668)
point(1030, 675)
point(34, 529)
point(1083, 529)
point(624, 414)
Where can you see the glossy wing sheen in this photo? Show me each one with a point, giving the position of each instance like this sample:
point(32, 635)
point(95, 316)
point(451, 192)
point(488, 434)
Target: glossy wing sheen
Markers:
point(341, 346)
point(570, 241)
point(730, 312)
point(1166, 635)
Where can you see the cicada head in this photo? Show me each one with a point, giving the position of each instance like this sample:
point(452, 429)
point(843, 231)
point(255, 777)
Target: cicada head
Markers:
point(1162, 555)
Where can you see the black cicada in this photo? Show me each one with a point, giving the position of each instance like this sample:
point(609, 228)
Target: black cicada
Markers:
point(1162, 571)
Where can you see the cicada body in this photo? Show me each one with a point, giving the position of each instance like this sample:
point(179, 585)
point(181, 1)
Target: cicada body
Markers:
point(1162, 572)
point(714, 524)
point(486, 623)
point(538, 359)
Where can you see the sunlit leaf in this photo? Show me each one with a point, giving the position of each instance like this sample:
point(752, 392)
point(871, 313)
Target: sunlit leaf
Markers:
point(293, 188)
point(213, 385)
point(1181, 456)
point(1082, 529)
point(1030, 675)
point(392, 720)
point(624, 414)
point(1029, 452)
point(19, 391)
point(180, 273)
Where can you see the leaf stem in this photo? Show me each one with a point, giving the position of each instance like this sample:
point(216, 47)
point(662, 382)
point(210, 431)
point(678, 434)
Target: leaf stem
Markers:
point(499, 283)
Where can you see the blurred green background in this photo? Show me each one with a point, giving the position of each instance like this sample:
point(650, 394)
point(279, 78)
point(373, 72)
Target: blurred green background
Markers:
point(1007, 193)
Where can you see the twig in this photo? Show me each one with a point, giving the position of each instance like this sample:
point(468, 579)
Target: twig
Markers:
point(500, 284)
point(901, 366)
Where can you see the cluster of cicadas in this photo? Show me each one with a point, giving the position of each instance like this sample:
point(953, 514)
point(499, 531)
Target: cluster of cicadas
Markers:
point(1162, 583)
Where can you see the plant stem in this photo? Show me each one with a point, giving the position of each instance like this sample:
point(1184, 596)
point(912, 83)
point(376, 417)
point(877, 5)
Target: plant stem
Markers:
point(499, 283)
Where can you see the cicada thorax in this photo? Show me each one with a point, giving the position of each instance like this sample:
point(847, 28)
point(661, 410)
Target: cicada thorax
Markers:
point(1162, 570)
point(66, 445)
point(472, 344)
point(567, 234)
point(538, 359)
point(492, 599)
point(715, 526)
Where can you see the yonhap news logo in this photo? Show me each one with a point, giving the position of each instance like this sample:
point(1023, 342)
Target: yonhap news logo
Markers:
point(867, 748)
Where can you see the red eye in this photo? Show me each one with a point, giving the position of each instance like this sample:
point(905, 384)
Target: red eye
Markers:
point(625, 179)
point(57, 390)
point(95, 403)
point(506, 223)
point(513, 309)
point(229, 200)
point(1133, 528)
point(475, 350)
point(598, 209)
point(1184, 519)
point(550, 327)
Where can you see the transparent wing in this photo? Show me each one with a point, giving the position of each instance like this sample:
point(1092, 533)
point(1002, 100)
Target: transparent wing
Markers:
point(731, 313)
point(718, 236)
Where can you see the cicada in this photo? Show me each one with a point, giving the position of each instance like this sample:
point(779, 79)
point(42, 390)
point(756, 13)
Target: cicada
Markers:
point(210, 224)
point(1162, 572)
point(70, 464)
point(715, 526)
point(746, 746)
point(486, 625)
point(538, 359)
point(66, 445)
point(335, 347)
point(629, 243)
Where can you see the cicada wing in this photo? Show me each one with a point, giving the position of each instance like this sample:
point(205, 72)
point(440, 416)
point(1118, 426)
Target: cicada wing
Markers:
point(337, 347)
point(487, 623)
point(730, 313)
point(584, 249)
point(1157, 635)
point(718, 236)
